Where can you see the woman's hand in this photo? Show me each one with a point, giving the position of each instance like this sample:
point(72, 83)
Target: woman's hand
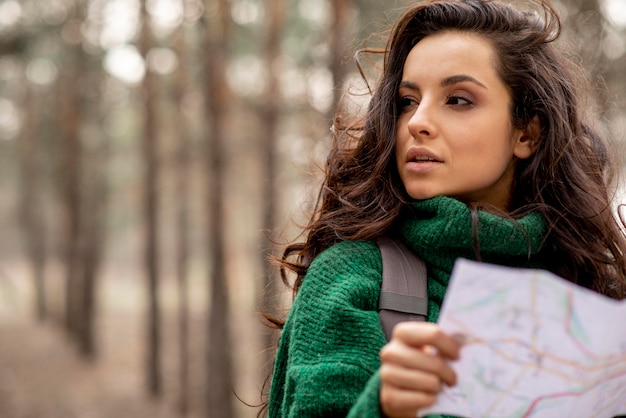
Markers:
point(414, 366)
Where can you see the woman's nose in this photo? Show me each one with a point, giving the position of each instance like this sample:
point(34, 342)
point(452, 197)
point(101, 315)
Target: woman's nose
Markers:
point(421, 122)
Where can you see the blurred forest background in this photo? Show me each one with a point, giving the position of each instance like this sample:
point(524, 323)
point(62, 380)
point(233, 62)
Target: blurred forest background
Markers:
point(148, 150)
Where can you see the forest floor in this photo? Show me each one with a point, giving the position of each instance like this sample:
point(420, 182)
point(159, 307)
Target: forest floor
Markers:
point(42, 376)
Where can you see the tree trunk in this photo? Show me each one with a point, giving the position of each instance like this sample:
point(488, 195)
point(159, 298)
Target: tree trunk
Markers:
point(338, 43)
point(587, 29)
point(85, 194)
point(71, 174)
point(183, 160)
point(271, 117)
point(94, 218)
point(217, 98)
point(32, 217)
point(151, 212)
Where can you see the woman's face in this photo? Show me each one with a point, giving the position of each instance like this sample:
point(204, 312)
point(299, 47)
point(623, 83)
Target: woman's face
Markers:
point(454, 133)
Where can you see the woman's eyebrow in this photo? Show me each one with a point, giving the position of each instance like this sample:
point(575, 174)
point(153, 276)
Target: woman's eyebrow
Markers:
point(409, 85)
point(448, 81)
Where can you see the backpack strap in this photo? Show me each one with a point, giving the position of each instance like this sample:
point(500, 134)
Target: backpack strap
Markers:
point(403, 295)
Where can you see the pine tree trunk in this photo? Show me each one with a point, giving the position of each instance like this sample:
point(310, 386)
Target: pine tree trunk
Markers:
point(151, 213)
point(271, 120)
point(338, 49)
point(183, 178)
point(94, 219)
point(71, 175)
point(217, 98)
point(32, 217)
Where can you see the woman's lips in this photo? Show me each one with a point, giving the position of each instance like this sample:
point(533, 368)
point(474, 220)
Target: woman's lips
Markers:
point(420, 160)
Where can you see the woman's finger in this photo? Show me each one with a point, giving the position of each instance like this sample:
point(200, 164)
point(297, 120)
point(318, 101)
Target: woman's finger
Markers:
point(408, 379)
point(397, 402)
point(424, 359)
point(420, 334)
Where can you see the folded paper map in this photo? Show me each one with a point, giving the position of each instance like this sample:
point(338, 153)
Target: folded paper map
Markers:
point(535, 346)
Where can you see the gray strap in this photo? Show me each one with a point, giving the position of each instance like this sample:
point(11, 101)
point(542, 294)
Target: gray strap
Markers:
point(403, 303)
point(403, 295)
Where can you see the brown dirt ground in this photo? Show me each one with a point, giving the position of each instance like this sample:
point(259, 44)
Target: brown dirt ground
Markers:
point(41, 375)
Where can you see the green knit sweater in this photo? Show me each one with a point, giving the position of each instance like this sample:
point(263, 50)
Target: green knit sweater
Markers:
point(327, 360)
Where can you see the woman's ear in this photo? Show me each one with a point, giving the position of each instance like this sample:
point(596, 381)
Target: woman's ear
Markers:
point(528, 140)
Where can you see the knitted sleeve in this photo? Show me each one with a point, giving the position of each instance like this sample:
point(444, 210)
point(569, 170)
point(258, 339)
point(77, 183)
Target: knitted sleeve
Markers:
point(327, 358)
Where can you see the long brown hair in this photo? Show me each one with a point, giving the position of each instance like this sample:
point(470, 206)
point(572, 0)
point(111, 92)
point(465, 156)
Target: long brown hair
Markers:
point(567, 179)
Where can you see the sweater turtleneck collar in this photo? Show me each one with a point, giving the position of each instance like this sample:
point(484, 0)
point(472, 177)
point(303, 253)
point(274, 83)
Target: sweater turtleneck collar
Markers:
point(442, 229)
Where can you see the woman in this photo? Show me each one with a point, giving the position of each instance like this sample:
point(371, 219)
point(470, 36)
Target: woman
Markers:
point(476, 145)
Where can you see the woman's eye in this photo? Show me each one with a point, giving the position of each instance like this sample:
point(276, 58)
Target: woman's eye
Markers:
point(458, 101)
point(405, 102)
